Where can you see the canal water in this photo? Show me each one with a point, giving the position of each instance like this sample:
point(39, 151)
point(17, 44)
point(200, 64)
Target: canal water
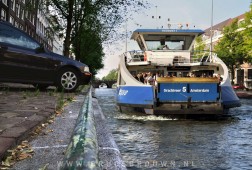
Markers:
point(158, 142)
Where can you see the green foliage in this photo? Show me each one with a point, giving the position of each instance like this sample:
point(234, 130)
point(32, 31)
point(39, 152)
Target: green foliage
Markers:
point(248, 44)
point(247, 35)
point(199, 49)
point(230, 47)
point(88, 49)
point(112, 75)
point(235, 47)
point(200, 45)
point(88, 25)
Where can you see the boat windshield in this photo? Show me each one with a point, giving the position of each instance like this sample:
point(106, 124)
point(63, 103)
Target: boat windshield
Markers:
point(168, 45)
point(168, 42)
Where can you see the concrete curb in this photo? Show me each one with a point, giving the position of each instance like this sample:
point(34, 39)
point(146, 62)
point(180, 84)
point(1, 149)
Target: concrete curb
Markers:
point(82, 151)
point(109, 154)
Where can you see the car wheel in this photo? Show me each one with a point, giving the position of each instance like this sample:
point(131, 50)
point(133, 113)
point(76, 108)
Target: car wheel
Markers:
point(41, 86)
point(68, 80)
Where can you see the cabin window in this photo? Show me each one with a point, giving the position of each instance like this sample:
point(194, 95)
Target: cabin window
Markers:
point(173, 42)
point(157, 45)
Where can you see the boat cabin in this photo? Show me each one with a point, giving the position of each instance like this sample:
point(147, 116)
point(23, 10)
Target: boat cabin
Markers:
point(164, 47)
point(165, 76)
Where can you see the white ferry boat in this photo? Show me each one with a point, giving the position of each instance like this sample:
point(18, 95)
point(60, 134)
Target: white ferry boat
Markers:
point(167, 77)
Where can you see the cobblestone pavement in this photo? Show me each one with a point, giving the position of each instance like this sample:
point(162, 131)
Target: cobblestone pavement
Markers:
point(22, 108)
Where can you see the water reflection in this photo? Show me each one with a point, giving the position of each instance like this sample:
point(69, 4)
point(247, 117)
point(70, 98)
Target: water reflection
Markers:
point(150, 142)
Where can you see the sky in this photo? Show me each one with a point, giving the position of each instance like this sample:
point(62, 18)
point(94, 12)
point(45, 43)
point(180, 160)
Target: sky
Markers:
point(193, 12)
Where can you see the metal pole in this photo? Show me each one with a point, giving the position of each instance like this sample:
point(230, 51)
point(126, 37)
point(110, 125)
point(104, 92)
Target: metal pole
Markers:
point(156, 17)
point(126, 46)
point(211, 32)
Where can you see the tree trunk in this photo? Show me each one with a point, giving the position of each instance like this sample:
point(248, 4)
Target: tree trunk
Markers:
point(67, 41)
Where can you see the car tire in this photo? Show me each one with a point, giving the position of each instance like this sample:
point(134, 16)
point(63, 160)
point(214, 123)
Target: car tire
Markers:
point(68, 80)
point(41, 87)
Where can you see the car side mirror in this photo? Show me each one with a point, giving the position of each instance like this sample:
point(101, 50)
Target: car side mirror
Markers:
point(40, 49)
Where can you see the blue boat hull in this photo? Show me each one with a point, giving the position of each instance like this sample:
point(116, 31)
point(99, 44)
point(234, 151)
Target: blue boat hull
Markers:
point(229, 98)
point(142, 96)
point(178, 100)
point(183, 92)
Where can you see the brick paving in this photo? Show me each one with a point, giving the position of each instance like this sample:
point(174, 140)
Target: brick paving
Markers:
point(22, 108)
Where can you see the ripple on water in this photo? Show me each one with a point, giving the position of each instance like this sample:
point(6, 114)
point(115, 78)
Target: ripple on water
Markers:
point(142, 118)
point(156, 142)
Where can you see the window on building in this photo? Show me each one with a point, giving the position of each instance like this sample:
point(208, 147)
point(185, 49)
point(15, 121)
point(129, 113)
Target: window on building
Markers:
point(33, 20)
point(16, 24)
point(33, 3)
point(5, 2)
point(216, 33)
point(12, 5)
point(249, 73)
point(240, 22)
point(22, 13)
point(12, 20)
point(3, 15)
point(41, 27)
point(37, 24)
point(30, 17)
point(205, 37)
point(17, 10)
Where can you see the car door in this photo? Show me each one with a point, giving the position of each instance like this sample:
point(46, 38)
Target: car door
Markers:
point(20, 61)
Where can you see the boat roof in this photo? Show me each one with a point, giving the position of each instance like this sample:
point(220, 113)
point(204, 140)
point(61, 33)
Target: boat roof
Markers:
point(167, 32)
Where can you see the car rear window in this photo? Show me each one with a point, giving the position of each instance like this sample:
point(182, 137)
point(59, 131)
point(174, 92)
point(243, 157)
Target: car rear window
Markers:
point(12, 36)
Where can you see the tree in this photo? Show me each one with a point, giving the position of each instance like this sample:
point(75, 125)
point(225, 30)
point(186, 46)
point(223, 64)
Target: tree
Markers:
point(200, 47)
point(230, 47)
point(88, 24)
point(88, 49)
point(74, 13)
point(247, 35)
point(112, 75)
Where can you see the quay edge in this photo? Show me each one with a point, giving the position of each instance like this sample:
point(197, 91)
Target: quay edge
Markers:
point(92, 145)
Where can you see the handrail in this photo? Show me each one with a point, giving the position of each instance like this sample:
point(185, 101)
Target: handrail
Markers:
point(203, 56)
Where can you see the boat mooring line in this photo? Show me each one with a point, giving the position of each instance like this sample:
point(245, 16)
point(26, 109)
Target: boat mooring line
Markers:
point(46, 147)
point(109, 148)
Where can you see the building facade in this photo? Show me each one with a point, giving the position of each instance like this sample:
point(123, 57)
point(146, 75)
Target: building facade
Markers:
point(14, 12)
point(243, 75)
point(27, 16)
point(43, 32)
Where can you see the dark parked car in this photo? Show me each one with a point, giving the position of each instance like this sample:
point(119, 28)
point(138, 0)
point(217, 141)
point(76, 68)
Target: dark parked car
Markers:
point(24, 60)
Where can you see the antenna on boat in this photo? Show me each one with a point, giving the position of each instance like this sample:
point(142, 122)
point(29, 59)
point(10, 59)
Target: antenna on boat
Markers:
point(211, 33)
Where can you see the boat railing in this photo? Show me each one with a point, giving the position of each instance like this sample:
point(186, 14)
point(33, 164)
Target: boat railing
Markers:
point(196, 57)
point(179, 59)
point(134, 56)
point(203, 56)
